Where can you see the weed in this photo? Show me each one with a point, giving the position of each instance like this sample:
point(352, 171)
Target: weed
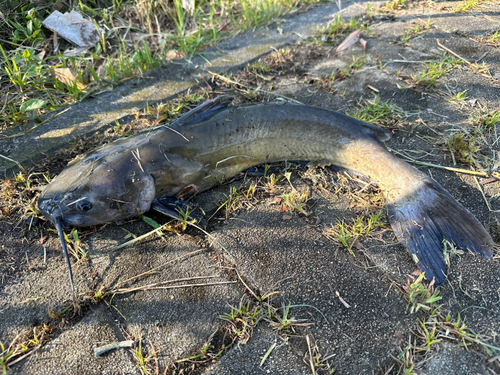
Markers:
point(258, 67)
point(413, 32)
point(141, 360)
point(420, 296)
point(362, 226)
point(459, 98)
point(463, 148)
point(238, 199)
point(328, 34)
point(485, 119)
point(295, 201)
point(378, 112)
point(435, 70)
point(395, 4)
point(244, 319)
point(466, 5)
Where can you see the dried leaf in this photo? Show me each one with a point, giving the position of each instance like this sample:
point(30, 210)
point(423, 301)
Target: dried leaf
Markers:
point(65, 75)
point(349, 41)
point(363, 43)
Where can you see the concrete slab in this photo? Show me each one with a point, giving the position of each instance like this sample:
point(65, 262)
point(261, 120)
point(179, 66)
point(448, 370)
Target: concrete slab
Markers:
point(72, 351)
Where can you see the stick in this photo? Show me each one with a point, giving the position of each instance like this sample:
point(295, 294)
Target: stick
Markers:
point(123, 291)
point(465, 171)
point(115, 345)
point(453, 53)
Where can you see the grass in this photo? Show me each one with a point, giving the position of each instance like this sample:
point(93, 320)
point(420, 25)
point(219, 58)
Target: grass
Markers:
point(378, 112)
point(463, 148)
point(395, 4)
point(362, 226)
point(413, 32)
point(433, 327)
point(340, 27)
point(466, 5)
point(435, 70)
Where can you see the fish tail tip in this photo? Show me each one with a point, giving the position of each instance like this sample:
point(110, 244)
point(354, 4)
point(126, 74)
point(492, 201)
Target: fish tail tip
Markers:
point(431, 215)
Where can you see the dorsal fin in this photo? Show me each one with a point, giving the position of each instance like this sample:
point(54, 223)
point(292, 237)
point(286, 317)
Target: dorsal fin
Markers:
point(376, 132)
point(204, 111)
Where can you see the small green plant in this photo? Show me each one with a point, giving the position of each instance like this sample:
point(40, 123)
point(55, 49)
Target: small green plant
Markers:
point(459, 98)
point(395, 4)
point(420, 296)
point(466, 5)
point(378, 112)
point(295, 201)
point(141, 360)
point(362, 226)
point(328, 34)
point(6, 355)
point(435, 70)
point(244, 319)
point(463, 148)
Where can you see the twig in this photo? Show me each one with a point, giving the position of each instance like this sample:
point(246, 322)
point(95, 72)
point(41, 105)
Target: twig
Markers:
point(482, 193)
point(453, 53)
point(465, 171)
point(166, 282)
point(152, 270)
point(115, 345)
point(310, 355)
point(123, 291)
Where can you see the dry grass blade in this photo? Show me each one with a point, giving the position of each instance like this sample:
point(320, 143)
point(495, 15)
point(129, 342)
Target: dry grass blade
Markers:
point(153, 270)
point(458, 170)
point(147, 287)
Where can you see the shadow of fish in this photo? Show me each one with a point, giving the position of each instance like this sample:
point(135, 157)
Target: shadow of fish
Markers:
point(213, 142)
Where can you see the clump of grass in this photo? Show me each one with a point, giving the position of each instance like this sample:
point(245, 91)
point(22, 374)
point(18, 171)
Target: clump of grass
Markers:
point(295, 201)
point(421, 296)
point(463, 148)
point(435, 70)
point(395, 4)
point(434, 327)
point(362, 226)
point(378, 112)
point(459, 98)
point(413, 32)
point(357, 63)
point(329, 34)
point(486, 119)
point(238, 199)
point(140, 36)
point(244, 319)
point(466, 5)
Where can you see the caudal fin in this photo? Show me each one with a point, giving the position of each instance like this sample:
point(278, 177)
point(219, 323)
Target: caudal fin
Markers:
point(422, 221)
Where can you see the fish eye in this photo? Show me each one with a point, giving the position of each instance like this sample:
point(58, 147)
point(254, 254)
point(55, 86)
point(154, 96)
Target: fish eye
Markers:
point(84, 206)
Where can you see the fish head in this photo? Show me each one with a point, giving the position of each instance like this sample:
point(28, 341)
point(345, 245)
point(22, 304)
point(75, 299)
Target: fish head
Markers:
point(101, 188)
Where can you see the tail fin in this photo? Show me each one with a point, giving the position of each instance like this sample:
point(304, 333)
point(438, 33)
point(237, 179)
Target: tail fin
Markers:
point(422, 221)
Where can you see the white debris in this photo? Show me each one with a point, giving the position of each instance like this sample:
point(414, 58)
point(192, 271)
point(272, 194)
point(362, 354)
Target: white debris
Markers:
point(74, 28)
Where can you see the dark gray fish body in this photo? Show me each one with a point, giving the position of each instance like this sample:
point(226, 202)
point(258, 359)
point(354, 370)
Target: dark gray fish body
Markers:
point(213, 143)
